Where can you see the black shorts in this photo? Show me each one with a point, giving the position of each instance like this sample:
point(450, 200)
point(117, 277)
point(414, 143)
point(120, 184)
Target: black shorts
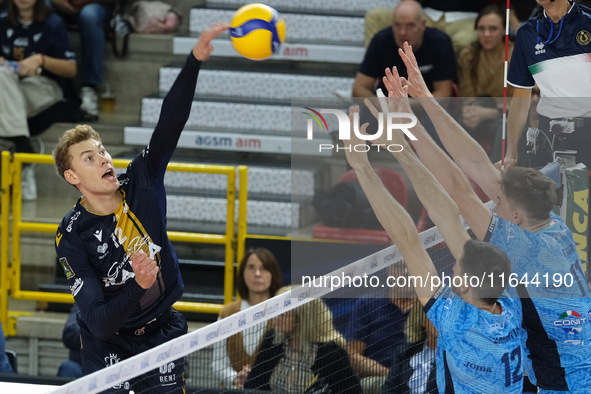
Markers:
point(169, 378)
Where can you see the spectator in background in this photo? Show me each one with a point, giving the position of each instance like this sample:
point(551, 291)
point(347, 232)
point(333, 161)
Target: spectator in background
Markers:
point(36, 42)
point(5, 366)
point(453, 17)
point(433, 48)
point(556, 60)
point(71, 368)
point(521, 10)
point(303, 352)
point(90, 19)
point(481, 77)
point(257, 280)
point(413, 369)
point(376, 332)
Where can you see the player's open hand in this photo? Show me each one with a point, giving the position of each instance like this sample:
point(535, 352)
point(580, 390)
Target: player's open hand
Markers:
point(203, 47)
point(397, 94)
point(415, 82)
point(145, 270)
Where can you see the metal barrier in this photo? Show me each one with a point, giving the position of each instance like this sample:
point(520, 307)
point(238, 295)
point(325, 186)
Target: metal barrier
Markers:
point(10, 263)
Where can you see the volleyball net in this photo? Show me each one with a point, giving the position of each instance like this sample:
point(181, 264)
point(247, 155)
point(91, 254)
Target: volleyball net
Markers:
point(330, 318)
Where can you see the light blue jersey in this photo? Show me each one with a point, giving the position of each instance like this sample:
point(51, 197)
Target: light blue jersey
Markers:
point(555, 303)
point(477, 352)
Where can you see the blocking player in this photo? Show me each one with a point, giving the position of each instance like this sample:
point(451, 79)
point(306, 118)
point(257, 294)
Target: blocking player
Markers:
point(113, 245)
point(552, 287)
point(479, 344)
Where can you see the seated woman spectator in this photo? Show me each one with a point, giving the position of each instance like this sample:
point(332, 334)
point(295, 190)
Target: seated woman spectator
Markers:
point(303, 353)
point(413, 369)
point(257, 280)
point(35, 59)
point(481, 75)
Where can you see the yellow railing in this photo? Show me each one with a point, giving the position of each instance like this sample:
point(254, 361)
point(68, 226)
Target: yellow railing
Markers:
point(10, 264)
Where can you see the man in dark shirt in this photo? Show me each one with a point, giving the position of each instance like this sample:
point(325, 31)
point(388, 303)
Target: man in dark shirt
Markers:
point(113, 245)
point(453, 17)
point(433, 50)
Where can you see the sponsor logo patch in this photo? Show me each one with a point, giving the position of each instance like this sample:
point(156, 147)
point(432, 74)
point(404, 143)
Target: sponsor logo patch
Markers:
point(67, 269)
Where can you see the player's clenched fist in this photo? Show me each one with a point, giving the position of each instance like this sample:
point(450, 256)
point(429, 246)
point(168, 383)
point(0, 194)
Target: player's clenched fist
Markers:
point(145, 270)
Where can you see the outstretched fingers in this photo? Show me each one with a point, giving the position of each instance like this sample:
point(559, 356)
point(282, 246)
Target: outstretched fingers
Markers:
point(393, 83)
point(203, 48)
point(415, 83)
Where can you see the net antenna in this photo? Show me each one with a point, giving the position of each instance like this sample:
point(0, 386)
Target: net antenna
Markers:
point(504, 122)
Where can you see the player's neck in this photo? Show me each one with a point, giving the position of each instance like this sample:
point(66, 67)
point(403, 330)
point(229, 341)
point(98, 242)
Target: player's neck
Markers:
point(102, 205)
point(494, 309)
point(557, 10)
point(538, 226)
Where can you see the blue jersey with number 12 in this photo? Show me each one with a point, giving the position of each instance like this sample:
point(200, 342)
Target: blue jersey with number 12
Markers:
point(555, 300)
point(477, 351)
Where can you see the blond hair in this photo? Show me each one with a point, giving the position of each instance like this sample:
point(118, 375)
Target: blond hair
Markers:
point(313, 323)
point(61, 153)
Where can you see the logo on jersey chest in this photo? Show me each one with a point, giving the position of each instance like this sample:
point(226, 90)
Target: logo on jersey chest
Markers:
point(128, 237)
point(477, 367)
point(539, 47)
point(571, 322)
point(583, 37)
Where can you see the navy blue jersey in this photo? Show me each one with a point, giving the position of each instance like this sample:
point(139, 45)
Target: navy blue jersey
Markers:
point(556, 56)
point(49, 37)
point(435, 57)
point(95, 250)
point(379, 324)
point(477, 352)
point(555, 301)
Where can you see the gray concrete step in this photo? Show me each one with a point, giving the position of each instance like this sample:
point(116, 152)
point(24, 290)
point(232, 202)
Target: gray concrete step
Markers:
point(330, 7)
point(280, 86)
point(326, 29)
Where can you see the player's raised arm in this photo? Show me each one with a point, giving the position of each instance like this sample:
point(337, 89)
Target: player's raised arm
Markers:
point(465, 151)
point(393, 217)
point(442, 209)
point(176, 106)
point(447, 173)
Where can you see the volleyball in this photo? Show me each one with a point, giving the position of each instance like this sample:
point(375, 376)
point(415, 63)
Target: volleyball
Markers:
point(257, 31)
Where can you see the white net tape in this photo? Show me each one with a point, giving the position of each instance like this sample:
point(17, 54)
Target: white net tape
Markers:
point(199, 339)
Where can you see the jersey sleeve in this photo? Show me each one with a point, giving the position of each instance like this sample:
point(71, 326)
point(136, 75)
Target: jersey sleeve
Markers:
point(103, 318)
point(60, 44)
point(519, 74)
point(175, 112)
point(451, 316)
